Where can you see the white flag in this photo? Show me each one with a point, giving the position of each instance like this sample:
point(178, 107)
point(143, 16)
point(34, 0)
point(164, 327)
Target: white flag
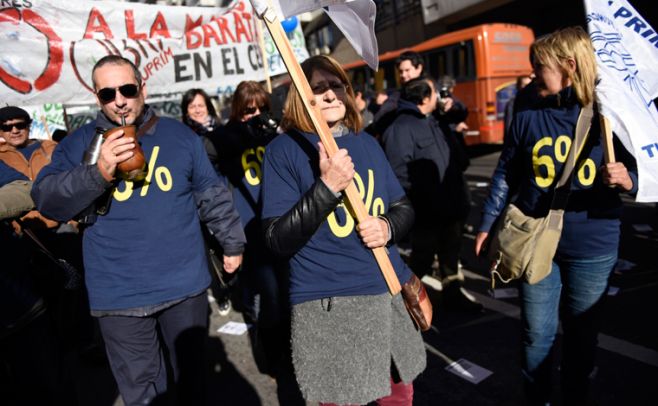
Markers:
point(355, 18)
point(627, 58)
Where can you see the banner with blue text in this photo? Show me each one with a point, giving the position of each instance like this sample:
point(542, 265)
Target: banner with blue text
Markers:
point(627, 56)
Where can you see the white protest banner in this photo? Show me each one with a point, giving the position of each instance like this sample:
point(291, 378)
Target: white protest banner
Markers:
point(627, 56)
point(274, 60)
point(45, 120)
point(48, 48)
point(355, 18)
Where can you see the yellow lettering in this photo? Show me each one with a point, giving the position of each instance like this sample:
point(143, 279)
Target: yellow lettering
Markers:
point(250, 166)
point(586, 172)
point(562, 147)
point(260, 152)
point(149, 174)
point(374, 206)
point(546, 161)
point(163, 179)
point(378, 207)
point(341, 231)
point(122, 196)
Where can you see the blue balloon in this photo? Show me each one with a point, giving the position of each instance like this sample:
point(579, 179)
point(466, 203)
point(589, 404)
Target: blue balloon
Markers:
point(289, 24)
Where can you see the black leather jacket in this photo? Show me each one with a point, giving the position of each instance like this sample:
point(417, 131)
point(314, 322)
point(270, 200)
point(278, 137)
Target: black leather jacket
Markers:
point(286, 234)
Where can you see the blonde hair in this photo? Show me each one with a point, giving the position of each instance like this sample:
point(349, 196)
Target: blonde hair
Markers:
point(296, 117)
point(569, 43)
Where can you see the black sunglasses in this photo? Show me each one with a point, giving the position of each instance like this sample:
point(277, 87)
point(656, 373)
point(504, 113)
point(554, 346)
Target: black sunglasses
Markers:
point(323, 87)
point(19, 126)
point(107, 94)
point(252, 110)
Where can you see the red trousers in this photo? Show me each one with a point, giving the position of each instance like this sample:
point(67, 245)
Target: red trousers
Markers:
point(401, 395)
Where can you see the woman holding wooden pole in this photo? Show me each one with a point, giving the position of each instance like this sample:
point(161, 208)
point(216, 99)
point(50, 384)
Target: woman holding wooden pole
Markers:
point(353, 343)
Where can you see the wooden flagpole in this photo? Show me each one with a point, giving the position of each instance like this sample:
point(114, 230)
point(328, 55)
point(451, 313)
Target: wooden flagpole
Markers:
point(263, 52)
point(273, 25)
point(606, 139)
point(45, 127)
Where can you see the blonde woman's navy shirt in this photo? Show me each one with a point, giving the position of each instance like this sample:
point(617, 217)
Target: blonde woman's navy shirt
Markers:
point(531, 163)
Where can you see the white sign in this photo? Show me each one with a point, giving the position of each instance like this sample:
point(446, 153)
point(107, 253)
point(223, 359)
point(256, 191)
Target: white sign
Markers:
point(469, 371)
point(430, 11)
point(48, 48)
point(234, 328)
point(354, 18)
point(46, 119)
point(297, 42)
point(627, 56)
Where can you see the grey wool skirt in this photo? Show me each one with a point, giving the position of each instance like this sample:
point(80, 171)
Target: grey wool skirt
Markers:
point(342, 347)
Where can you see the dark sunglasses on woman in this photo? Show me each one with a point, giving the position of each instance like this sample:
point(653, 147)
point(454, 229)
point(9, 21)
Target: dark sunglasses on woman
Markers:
point(252, 110)
point(108, 94)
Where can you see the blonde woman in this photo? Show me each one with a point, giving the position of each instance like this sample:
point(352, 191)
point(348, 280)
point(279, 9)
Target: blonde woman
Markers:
point(531, 162)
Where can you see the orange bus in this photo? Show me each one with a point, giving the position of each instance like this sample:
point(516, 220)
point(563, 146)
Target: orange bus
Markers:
point(484, 60)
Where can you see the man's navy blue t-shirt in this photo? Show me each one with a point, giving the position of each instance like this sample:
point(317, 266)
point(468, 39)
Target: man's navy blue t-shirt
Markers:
point(334, 262)
point(148, 249)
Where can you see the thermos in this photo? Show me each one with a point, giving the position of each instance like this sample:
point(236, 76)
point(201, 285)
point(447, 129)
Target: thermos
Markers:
point(91, 154)
point(101, 205)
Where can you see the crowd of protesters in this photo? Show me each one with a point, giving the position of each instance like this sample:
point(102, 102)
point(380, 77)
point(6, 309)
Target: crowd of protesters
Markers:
point(264, 197)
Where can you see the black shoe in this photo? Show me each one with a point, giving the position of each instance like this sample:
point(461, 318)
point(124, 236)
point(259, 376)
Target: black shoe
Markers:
point(457, 299)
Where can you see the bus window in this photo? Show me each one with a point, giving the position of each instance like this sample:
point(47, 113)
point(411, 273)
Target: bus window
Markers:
point(380, 82)
point(463, 61)
point(437, 64)
point(391, 79)
point(456, 62)
point(442, 63)
point(359, 78)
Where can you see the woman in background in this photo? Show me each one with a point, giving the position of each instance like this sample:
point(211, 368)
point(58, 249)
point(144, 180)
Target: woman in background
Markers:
point(240, 146)
point(199, 112)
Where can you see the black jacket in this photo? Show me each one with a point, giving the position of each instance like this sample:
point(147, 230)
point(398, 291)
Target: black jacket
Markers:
point(285, 235)
point(425, 162)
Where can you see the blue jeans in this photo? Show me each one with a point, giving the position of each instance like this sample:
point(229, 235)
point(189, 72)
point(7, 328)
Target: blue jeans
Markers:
point(579, 285)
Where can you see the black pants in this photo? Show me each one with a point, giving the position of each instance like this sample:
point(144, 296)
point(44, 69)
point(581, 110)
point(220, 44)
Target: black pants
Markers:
point(159, 359)
point(444, 240)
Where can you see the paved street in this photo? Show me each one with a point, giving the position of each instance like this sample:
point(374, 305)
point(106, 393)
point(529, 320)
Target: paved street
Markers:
point(628, 350)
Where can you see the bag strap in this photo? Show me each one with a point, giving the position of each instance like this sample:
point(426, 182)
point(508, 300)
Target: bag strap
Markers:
point(147, 126)
point(73, 275)
point(563, 187)
point(38, 242)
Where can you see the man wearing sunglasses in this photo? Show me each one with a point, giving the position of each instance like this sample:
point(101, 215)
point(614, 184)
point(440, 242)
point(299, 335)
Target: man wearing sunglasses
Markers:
point(145, 266)
point(19, 151)
point(23, 154)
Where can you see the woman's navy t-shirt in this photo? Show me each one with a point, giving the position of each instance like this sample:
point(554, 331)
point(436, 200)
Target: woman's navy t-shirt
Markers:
point(532, 161)
point(334, 262)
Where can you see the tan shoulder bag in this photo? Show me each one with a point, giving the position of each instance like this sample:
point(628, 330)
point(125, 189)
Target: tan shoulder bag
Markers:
point(524, 246)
